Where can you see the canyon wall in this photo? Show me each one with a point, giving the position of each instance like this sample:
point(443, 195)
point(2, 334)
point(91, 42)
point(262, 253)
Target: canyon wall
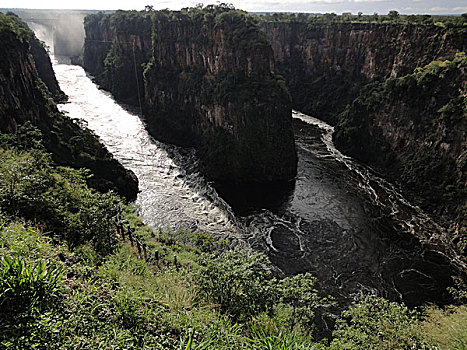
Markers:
point(414, 129)
point(326, 65)
point(25, 98)
point(209, 82)
point(397, 95)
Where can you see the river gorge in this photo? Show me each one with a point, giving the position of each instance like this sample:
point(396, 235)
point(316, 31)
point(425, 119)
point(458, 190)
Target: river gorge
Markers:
point(338, 220)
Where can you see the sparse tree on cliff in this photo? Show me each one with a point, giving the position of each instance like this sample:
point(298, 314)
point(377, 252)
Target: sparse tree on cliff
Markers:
point(375, 17)
point(393, 15)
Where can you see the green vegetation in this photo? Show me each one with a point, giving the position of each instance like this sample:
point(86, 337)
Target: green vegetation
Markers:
point(446, 328)
point(392, 17)
point(378, 324)
point(114, 67)
point(68, 279)
point(430, 99)
point(33, 188)
point(8, 24)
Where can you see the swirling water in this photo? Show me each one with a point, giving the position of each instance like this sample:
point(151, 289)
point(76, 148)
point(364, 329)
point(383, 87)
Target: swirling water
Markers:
point(338, 220)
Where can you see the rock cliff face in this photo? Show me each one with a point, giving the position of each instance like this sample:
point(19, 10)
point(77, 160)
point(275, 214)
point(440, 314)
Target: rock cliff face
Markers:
point(19, 81)
point(414, 128)
point(395, 108)
point(41, 61)
point(115, 49)
point(44, 69)
point(209, 82)
point(25, 98)
point(326, 65)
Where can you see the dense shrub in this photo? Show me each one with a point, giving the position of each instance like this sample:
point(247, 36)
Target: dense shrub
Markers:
point(446, 328)
point(240, 283)
point(376, 323)
point(32, 188)
point(243, 285)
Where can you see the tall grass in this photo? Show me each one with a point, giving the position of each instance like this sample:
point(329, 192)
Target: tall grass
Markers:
point(447, 328)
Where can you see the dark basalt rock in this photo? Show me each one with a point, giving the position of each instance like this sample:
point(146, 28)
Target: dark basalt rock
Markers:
point(209, 83)
point(326, 65)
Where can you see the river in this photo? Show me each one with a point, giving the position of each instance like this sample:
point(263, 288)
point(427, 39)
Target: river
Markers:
point(338, 220)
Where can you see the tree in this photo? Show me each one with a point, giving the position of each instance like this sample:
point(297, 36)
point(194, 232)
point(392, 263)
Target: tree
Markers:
point(238, 282)
point(411, 19)
point(376, 323)
point(393, 15)
point(346, 14)
point(329, 17)
point(375, 17)
point(299, 292)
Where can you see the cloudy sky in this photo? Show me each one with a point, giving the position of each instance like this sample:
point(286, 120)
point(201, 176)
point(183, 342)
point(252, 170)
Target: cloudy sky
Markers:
point(337, 6)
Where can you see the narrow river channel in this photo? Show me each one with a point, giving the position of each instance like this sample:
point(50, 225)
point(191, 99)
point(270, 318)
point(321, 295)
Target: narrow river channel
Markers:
point(338, 220)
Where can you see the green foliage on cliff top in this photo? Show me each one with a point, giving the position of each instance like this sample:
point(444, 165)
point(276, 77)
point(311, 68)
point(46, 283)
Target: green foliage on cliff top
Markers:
point(392, 18)
point(9, 24)
point(431, 105)
point(242, 35)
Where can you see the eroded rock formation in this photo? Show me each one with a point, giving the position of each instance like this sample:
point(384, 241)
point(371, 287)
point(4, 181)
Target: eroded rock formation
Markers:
point(209, 82)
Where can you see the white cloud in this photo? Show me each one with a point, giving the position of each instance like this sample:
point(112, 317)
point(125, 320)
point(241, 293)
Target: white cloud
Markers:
point(438, 9)
point(368, 0)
